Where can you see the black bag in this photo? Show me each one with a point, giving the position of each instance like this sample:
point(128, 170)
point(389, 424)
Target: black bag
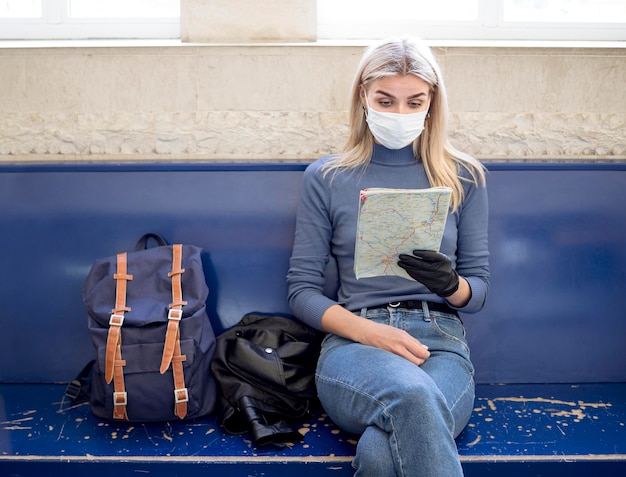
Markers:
point(265, 369)
point(153, 339)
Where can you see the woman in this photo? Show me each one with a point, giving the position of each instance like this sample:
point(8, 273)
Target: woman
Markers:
point(395, 364)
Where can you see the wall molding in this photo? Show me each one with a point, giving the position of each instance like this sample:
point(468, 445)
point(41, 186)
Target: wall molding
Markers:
point(288, 135)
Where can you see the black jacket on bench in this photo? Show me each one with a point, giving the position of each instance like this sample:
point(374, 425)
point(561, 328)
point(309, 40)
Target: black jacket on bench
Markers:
point(265, 369)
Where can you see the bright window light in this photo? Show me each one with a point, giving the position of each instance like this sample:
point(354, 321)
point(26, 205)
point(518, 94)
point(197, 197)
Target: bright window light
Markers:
point(89, 19)
point(565, 11)
point(124, 8)
point(473, 19)
point(21, 9)
point(375, 11)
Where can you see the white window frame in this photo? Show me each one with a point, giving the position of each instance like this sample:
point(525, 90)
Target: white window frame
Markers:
point(56, 24)
point(490, 25)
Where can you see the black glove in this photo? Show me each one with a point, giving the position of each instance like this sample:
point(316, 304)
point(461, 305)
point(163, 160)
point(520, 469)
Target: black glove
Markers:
point(433, 269)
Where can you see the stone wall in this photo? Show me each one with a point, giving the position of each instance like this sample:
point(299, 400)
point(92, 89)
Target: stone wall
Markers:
point(255, 101)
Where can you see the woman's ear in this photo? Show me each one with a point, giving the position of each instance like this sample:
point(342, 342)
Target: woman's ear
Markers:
point(362, 94)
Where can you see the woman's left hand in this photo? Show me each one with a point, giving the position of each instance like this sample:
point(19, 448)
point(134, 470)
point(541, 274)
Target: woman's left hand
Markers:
point(433, 269)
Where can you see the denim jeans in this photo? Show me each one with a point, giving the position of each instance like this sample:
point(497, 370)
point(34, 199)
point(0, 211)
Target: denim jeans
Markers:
point(407, 415)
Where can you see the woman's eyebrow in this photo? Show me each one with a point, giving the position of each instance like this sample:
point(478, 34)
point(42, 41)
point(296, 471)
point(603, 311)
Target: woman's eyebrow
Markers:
point(389, 95)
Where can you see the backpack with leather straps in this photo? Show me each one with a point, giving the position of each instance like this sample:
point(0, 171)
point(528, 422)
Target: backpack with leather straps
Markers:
point(152, 336)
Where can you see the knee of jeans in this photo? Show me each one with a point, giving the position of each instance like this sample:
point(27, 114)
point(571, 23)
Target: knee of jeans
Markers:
point(424, 403)
point(418, 393)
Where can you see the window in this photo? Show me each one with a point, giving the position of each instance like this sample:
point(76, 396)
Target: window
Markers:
point(78, 19)
point(23, 9)
point(337, 19)
point(473, 19)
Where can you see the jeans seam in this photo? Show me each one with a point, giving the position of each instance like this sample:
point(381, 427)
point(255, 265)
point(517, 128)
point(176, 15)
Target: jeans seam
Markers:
point(467, 389)
point(470, 383)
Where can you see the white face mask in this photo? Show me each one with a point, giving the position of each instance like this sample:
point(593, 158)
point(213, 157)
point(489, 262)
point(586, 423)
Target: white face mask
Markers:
point(394, 130)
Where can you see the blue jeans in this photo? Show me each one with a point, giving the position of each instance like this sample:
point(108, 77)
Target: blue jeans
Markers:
point(407, 415)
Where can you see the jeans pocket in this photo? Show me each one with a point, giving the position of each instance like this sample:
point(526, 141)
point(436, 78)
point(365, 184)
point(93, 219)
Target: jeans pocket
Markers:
point(451, 328)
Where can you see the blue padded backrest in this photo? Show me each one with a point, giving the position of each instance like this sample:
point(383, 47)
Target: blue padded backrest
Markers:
point(557, 235)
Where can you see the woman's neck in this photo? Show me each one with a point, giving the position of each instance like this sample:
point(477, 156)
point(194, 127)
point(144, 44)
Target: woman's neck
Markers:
point(393, 157)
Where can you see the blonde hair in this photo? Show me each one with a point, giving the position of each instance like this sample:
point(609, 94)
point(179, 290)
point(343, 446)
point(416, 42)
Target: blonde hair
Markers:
point(441, 160)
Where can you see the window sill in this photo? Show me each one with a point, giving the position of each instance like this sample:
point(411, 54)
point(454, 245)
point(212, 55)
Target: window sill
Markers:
point(142, 43)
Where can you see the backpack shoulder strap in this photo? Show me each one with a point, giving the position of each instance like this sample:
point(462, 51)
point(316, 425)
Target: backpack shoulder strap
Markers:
point(79, 388)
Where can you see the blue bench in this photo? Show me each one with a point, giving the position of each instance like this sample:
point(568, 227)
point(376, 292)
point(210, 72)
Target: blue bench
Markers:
point(548, 348)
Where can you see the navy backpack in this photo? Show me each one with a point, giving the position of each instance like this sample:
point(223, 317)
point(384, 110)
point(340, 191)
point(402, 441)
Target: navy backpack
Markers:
point(152, 336)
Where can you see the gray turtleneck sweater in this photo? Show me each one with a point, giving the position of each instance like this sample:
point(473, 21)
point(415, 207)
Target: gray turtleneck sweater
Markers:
point(326, 231)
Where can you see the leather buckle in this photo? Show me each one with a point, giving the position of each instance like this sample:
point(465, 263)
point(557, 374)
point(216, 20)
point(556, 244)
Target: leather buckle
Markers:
point(181, 395)
point(174, 314)
point(395, 304)
point(116, 320)
point(120, 398)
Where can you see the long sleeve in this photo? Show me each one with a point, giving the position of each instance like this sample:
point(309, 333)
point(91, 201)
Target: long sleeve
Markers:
point(306, 279)
point(472, 253)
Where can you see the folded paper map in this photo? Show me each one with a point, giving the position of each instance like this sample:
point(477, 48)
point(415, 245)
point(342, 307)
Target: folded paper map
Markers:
point(395, 221)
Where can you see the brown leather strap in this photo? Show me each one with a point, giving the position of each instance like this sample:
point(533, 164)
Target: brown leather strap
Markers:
point(175, 312)
point(117, 315)
point(120, 397)
point(181, 394)
point(171, 349)
point(114, 364)
point(171, 336)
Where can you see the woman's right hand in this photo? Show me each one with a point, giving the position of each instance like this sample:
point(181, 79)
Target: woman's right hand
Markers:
point(397, 341)
point(346, 324)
